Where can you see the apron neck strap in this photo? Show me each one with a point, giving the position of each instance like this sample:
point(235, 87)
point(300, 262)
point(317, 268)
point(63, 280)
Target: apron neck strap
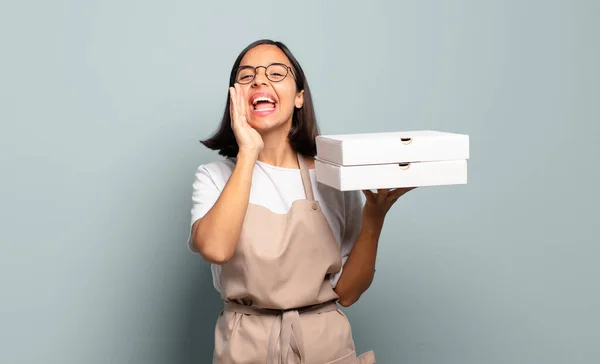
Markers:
point(305, 177)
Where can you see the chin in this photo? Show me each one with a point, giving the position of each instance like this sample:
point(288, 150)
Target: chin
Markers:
point(265, 124)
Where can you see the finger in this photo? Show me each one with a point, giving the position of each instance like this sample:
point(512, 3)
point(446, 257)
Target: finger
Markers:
point(369, 195)
point(383, 193)
point(395, 194)
point(231, 111)
point(241, 103)
point(233, 104)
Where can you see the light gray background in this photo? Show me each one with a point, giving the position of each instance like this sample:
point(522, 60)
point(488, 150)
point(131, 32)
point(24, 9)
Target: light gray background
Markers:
point(103, 103)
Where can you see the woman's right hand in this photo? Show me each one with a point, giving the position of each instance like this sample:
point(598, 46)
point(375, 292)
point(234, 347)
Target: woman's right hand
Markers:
point(216, 234)
point(248, 139)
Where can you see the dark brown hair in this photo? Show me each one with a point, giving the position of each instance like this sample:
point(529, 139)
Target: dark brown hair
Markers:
point(304, 124)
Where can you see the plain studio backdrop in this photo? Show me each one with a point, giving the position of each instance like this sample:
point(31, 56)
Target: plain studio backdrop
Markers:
point(102, 106)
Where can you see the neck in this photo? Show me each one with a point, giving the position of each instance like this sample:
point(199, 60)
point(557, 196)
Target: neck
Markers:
point(277, 150)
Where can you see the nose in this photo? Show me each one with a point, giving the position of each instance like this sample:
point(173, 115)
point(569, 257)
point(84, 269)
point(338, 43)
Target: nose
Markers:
point(261, 77)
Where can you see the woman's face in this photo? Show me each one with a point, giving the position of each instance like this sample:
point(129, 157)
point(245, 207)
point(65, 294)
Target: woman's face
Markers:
point(269, 104)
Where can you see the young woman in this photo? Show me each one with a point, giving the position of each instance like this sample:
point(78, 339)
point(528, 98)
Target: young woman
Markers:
point(285, 251)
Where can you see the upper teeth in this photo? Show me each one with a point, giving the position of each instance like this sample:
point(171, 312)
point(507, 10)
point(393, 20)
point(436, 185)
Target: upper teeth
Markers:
point(262, 98)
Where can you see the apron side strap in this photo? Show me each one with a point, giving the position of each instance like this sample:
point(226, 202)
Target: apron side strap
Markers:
point(305, 178)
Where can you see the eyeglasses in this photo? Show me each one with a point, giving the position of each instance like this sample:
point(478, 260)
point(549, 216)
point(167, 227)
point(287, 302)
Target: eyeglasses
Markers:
point(275, 72)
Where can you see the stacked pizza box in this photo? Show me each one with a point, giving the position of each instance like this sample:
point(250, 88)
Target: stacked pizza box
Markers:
point(392, 160)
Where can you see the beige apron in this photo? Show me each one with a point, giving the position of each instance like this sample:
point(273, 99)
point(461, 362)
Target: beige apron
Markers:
point(279, 305)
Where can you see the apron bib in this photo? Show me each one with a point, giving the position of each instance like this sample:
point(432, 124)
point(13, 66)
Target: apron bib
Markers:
point(280, 307)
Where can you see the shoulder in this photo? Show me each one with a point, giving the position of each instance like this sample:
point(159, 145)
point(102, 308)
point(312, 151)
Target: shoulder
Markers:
point(216, 172)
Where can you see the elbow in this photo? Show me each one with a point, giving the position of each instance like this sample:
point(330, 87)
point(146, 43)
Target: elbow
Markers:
point(349, 296)
point(346, 302)
point(218, 258)
point(349, 299)
point(212, 253)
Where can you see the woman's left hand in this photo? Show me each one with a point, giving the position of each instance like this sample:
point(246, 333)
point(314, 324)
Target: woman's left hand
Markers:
point(378, 204)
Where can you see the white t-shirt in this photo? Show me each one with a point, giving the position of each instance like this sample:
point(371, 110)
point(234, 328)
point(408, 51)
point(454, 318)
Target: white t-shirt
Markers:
point(276, 188)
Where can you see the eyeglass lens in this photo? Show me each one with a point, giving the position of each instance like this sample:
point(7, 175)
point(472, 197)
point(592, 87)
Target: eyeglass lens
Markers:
point(274, 72)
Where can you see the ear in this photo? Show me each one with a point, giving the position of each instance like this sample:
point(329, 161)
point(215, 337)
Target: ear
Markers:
point(299, 101)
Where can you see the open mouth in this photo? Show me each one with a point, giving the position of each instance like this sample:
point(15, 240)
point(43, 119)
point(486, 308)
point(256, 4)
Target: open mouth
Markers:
point(262, 103)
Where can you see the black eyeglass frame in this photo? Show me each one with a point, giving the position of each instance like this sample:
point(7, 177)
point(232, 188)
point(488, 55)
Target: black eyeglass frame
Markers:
point(287, 68)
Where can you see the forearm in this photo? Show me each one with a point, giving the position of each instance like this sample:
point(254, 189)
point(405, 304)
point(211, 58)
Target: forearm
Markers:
point(215, 235)
point(359, 269)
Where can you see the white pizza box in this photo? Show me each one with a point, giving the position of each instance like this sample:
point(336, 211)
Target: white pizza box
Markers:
point(392, 147)
point(393, 175)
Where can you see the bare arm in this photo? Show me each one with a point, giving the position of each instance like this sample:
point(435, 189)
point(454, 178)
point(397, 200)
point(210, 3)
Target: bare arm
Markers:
point(359, 269)
point(215, 235)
